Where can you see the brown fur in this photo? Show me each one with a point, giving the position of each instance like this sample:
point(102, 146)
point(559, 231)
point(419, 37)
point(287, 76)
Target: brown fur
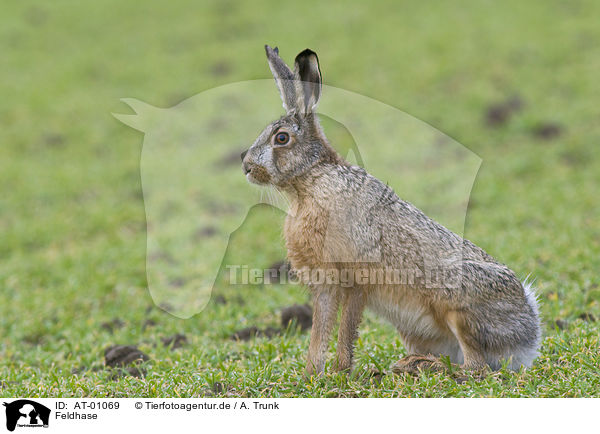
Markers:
point(344, 220)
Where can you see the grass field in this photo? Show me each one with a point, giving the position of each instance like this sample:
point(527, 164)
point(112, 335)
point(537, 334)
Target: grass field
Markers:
point(516, 83)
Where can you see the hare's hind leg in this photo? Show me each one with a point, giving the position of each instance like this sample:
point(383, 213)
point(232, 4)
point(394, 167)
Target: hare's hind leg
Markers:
point(353, 301)
point(474, 355)
point(325, 308)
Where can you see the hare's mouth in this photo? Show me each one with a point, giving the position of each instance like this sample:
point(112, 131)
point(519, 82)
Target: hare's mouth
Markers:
point(251, 179)
point(258, 175)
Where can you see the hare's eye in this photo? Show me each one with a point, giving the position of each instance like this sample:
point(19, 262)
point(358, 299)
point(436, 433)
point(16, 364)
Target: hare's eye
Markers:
point(282, 138)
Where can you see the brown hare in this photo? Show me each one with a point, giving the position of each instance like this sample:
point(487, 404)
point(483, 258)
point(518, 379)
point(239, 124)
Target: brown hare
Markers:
point(344, 222)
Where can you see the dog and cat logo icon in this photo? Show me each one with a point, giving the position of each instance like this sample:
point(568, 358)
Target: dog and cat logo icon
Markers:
point(26, 413)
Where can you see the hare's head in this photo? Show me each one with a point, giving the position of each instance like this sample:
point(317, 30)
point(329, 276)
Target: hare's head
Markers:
point(294, 144)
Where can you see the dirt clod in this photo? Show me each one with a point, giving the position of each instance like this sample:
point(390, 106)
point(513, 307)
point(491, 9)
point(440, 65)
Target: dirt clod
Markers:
point(166, 306)
point(112, 325)
point(561, 324)
point(205, 232)
point(269, 332)
point(276, 272)
point(53, 139)
point(124, 360)
point(253, 331)
point(177, 282)
point(547, 131)
point(586, 316)
point(220, 69)
point(36, 338)
point(148, 323)
point(133, 371)
point(219, 299)
point(301, 314)
point(499, 113)
point(121, 355)
point(78, 370)
point(245, 333)
point(176, 341)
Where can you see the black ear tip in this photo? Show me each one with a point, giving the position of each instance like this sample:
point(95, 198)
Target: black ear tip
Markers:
point(307, 52)
point(268, 49)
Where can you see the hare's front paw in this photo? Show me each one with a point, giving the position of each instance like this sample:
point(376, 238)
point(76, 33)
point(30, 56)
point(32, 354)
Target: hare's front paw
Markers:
point(311, 371)
point(414, 363)
point(343, 362)
point(308, 372)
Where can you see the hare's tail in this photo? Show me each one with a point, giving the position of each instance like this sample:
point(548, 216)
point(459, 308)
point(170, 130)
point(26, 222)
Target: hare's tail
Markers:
point(527, 353)
point(532, 296)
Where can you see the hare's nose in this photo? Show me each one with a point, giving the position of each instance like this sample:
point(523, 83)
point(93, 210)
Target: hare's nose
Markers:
point(244, 154)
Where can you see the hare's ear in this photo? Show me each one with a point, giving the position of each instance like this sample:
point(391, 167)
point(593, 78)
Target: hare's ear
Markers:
point(284, 78)
point(308, 72)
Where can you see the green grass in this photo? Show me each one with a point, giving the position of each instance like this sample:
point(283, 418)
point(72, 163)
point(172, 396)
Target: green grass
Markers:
point(72, 219)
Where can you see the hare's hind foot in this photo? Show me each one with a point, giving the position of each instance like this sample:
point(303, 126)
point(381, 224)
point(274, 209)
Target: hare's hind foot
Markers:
point(414, 363)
